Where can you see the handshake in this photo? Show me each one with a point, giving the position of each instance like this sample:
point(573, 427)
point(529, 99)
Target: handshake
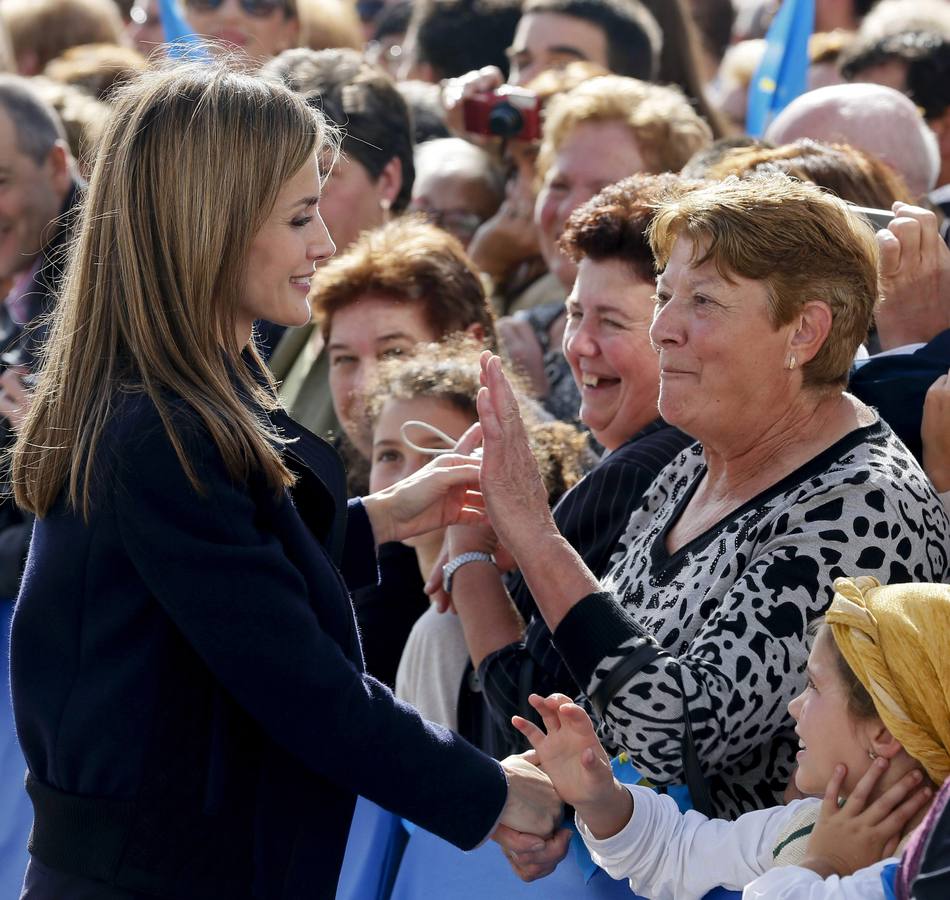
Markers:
point(567, 763)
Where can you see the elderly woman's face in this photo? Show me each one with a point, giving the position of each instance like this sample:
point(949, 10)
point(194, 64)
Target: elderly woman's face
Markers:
point(722, 363)
point(592, 156)
point(607, 343)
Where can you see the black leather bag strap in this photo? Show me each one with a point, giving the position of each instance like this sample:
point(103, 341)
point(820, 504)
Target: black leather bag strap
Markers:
point(618, 676)
point(621, 673)
point(695, 780)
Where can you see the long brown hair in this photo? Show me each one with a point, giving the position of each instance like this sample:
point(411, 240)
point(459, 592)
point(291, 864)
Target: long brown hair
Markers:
point(188, 169)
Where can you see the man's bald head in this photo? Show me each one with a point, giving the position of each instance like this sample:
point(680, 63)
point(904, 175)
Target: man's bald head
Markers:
point(871, 117)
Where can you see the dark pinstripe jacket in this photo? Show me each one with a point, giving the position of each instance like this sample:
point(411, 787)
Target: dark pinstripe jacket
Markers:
point(591, 516)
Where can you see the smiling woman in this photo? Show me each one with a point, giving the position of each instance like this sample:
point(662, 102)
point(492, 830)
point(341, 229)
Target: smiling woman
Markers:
point(766, 289)
point(283, 255)
point(203, 730)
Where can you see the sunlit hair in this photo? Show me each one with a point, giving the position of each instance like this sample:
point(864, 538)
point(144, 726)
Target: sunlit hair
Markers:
point(41, 30)
point(667, 129)
point(189, 168)
point(359, 98)
point(97, 69)
point(449, 371)
point(329, 23)
point(613, 225)
point(409, 261)
point(849, 173)
point(802, 242)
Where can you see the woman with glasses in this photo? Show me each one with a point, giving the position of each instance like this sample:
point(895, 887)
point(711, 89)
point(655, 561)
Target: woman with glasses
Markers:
point(259, 29)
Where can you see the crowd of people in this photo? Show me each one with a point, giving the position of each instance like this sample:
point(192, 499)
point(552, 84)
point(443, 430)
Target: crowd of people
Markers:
point(458, 382)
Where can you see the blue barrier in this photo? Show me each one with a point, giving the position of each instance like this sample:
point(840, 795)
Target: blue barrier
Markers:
point(16, 813)
point(432, 867)
point(373, 851)
point(383, 862)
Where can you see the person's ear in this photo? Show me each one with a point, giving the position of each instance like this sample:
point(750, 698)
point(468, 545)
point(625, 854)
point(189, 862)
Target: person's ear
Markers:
point(882, 742)
point(389, 183)
point(60, 163)
point(477, 331)
point(28, 63)
point(811, 331)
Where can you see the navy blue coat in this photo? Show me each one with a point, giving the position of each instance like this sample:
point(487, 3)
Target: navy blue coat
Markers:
point(188, 683)
point(897, 384)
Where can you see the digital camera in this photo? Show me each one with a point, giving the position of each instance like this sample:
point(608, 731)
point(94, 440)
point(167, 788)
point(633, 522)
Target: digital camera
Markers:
point(511, 113)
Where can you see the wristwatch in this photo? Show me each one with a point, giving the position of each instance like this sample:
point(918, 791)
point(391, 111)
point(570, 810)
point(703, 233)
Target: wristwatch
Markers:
point(453, 565)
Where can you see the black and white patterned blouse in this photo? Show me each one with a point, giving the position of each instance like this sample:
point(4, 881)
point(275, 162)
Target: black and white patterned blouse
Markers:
point(731, 608)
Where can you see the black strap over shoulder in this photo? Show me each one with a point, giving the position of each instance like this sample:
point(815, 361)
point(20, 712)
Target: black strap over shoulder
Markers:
point(621, 673)
point(695, 780)
point(618, 676)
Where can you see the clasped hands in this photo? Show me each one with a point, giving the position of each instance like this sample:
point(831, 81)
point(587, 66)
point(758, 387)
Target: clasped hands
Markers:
point(568, 752)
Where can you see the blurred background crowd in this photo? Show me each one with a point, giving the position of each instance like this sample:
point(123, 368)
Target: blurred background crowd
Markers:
point(501, 167)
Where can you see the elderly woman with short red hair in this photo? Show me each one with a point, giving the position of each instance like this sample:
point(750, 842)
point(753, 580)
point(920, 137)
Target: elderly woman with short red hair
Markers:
point(765, 291)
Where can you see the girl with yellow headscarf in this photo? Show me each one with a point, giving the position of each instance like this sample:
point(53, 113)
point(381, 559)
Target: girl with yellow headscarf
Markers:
point(874, 729)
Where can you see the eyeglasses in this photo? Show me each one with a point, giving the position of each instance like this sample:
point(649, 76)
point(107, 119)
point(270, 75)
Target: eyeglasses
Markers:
point(259, 8)
point(459, 222)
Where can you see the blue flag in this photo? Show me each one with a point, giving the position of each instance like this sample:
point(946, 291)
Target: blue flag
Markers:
point(182, 42)
point(783, 72)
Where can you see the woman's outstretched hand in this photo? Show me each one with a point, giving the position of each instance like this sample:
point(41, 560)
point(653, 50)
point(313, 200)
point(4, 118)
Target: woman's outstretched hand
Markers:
point(862, 832)
point(443, 492)
point(577, 764)
point(515, 497)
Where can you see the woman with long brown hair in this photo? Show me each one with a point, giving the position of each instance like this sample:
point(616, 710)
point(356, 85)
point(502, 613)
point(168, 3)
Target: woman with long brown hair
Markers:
point(188, 680)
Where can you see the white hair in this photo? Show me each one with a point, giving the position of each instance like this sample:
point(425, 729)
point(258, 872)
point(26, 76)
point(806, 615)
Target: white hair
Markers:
point(892, 16)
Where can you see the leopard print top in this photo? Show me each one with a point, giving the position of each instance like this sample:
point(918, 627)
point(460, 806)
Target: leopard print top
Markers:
point(732, 607)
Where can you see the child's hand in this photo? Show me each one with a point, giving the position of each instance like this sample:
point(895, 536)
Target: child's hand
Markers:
point(857, 835)
point(577, 764)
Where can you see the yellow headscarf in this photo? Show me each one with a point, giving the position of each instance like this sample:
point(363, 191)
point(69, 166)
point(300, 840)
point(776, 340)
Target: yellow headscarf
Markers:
point(896, 639)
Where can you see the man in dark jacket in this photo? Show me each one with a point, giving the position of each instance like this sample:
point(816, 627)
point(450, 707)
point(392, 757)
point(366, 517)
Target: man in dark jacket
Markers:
point(913, 323)
point(38, 195)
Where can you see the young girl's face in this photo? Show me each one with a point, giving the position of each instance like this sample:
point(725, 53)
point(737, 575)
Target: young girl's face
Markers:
point(392, 458)
point(829, 734)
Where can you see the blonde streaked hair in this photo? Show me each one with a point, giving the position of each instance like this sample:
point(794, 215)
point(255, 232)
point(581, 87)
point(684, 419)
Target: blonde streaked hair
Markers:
point(667, 129)
point(798, 239)
point(188, 170)
point(449, 371)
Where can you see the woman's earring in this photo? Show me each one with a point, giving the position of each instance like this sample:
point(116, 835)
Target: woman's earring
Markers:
point(792, 362)
point(872, 755)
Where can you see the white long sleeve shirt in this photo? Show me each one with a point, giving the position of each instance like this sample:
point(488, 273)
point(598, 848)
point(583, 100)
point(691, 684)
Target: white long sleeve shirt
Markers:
point(667, 855)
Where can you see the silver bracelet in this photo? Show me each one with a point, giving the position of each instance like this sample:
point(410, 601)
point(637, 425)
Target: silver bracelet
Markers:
point(453, 565)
